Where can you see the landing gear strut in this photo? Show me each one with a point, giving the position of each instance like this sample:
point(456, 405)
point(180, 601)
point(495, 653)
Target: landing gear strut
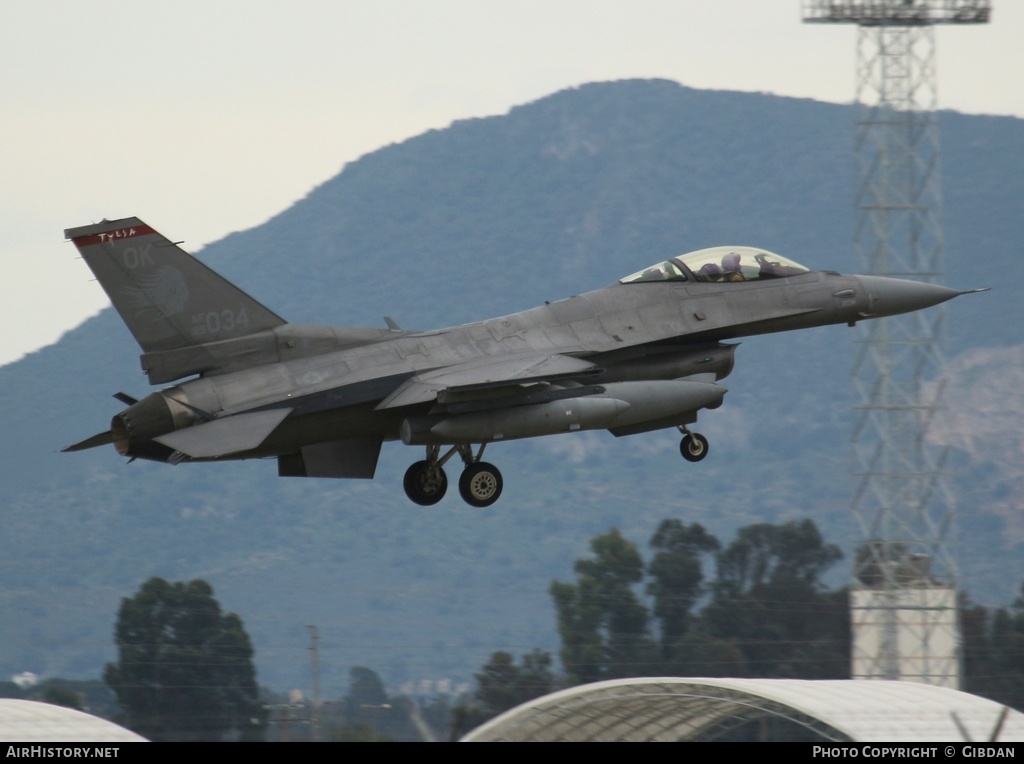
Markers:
point(693, 446)
point(479, 485)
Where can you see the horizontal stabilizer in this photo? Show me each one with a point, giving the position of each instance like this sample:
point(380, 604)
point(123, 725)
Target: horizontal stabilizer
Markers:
point(228, 435)
point(487, 374)
point(100, 439)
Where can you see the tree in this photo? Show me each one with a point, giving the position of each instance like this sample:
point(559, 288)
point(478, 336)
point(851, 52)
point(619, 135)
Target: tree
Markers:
point(677, 579)
point(793, 553)
point(367, 708)
point(769, 600)
point(369, 714)
point(604, 626)
point(993, 651)
point(62, 696)
point(366, 690)
point(185, 669)
point(768, 613)
point(501, 685)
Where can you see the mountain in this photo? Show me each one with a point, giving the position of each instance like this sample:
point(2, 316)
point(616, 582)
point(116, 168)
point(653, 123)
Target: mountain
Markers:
point(486, 217)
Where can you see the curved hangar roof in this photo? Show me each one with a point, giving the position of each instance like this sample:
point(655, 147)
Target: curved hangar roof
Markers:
point(673, 709)
point(26, 721)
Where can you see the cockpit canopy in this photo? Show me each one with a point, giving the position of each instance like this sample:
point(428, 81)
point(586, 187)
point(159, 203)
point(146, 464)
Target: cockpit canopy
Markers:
point(726, 264)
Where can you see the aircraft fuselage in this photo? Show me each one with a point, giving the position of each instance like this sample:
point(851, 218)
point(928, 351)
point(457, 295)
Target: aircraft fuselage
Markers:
point(632, 331)
point(645, 353)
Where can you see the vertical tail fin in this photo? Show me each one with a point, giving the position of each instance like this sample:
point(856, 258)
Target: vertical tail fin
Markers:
point(167, 298)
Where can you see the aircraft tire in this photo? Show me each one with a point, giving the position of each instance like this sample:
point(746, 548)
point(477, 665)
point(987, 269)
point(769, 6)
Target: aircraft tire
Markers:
point(480, 484)
point(693, 447)
point(418, 487)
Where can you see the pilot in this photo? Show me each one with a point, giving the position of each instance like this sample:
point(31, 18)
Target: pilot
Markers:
point(768, 269)
point(710, 272)
point(731, 267)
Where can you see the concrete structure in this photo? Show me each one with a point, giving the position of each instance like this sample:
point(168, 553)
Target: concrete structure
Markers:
point(26, 721)
point(671, 709)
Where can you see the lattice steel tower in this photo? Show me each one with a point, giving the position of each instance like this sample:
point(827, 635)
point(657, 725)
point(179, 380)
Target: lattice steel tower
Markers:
point(903, 597)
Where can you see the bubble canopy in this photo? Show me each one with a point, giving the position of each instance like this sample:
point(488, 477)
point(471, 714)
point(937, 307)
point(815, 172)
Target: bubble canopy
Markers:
point(719, 264)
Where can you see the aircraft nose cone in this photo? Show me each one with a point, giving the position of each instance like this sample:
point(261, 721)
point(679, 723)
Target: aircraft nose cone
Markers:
point(889, 296)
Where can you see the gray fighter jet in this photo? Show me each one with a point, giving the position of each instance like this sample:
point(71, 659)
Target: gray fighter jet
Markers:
point(643, 354)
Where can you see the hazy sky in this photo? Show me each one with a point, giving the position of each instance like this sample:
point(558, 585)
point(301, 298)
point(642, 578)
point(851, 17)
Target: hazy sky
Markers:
point(208, 117)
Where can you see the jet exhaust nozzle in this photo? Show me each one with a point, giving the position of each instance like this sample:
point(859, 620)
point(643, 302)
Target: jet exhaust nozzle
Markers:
point(134, 429)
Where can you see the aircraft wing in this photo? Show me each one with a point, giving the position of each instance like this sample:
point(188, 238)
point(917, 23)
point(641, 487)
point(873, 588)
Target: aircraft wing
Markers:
point(486, 374)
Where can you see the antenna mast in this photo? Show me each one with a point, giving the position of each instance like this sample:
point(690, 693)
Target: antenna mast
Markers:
point(903, 597)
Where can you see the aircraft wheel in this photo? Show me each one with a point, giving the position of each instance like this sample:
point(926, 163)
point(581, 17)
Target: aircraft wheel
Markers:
point(693, 447)
point(480, 484)
point(423, 488)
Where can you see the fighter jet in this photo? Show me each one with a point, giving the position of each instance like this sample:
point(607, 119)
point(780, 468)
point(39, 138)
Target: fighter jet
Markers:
point(642, 354)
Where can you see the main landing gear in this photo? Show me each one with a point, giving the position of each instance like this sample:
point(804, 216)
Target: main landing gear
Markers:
point(693, 446)
point(479, 485)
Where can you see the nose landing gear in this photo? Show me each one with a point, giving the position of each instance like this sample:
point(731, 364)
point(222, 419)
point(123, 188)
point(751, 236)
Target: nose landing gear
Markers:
point(480, 484)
